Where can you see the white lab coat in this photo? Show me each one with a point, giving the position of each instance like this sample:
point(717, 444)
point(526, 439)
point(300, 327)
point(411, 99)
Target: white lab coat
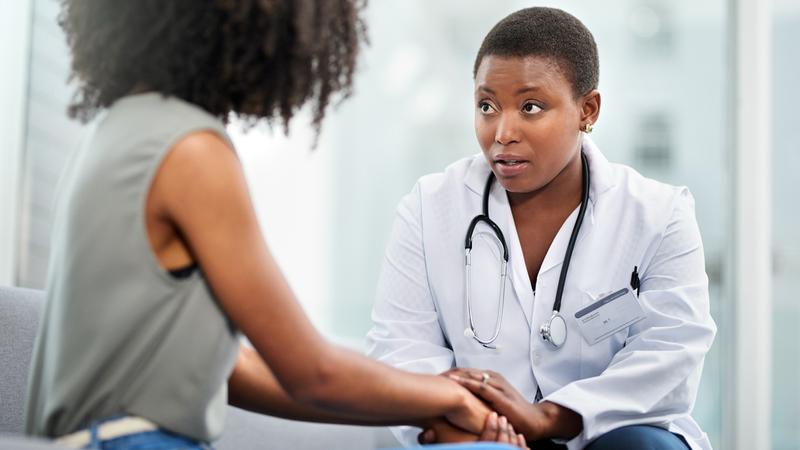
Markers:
point(646, 374)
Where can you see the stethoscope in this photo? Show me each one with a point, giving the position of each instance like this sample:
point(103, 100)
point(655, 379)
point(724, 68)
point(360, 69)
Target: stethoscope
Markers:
point(554, 330)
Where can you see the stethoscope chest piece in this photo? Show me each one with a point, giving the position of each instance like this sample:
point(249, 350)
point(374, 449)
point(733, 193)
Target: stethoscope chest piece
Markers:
point(554, 330)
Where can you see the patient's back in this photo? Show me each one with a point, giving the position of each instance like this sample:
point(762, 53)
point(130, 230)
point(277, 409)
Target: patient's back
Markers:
point(120, 335)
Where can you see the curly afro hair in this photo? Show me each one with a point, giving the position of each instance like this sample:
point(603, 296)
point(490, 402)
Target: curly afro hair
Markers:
point(258, 59)
point(551, 33)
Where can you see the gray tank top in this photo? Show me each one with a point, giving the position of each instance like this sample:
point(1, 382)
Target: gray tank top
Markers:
point(120, 335)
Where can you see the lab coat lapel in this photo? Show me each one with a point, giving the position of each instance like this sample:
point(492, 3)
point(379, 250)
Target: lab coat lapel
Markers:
point(475, 178)
point(518, 272)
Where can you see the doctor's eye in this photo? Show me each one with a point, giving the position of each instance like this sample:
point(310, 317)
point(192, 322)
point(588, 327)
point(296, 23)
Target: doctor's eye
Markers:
point(531, 108)
point(486, 107)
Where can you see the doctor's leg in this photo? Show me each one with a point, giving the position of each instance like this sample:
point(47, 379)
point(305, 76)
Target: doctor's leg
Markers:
point(639, 437)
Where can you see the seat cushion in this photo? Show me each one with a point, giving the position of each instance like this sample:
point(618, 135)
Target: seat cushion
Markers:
point(11, 442)
point(19, 320)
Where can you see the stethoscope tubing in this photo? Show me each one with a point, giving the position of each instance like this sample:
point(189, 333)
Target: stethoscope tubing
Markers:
point(484, 217)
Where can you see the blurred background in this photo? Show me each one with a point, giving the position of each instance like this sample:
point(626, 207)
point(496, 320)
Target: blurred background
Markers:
point(667, 80)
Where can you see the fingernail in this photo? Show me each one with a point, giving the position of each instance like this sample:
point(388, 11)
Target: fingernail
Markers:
point(493, 421)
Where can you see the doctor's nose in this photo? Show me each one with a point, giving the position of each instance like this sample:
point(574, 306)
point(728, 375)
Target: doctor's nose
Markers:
point(507, 131)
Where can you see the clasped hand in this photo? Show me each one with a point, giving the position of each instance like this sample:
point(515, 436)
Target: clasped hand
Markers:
point(515, 420)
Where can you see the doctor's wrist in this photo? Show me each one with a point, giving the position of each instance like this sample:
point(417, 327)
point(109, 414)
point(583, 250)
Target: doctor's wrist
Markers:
point(558, 421)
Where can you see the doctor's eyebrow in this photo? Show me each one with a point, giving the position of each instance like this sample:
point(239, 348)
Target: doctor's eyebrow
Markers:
point(519, 91)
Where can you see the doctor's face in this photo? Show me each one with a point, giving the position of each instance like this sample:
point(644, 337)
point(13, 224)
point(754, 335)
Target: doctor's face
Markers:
point(527, 120)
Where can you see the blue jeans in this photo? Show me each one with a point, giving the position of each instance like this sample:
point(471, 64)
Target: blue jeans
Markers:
point(148, 440)
point(471, 446)
point(639, 437)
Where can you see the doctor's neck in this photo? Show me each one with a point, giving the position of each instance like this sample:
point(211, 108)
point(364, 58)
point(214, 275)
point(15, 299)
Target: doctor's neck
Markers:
point(563, 191)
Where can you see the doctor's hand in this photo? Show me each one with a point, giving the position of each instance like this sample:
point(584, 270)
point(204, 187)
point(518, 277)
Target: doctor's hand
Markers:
point(535, 421)
point(496, 429)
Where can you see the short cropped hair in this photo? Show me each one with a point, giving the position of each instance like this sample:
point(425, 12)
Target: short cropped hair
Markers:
point(253, 58)
point(550, 33)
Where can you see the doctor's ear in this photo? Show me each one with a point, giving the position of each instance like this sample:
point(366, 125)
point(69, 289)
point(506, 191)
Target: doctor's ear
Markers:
point(590, 108)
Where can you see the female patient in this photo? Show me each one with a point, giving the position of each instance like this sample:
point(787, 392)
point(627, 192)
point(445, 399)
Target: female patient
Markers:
point(157, 258)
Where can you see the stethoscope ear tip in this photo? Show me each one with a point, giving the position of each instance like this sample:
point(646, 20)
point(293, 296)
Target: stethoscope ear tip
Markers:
point(469, 333)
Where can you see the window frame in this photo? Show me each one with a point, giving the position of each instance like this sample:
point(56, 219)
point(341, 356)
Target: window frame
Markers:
point(16, 21)
point(746, 411)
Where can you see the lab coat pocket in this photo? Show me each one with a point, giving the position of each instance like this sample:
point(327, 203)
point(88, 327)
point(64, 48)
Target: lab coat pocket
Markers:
point(597, 357)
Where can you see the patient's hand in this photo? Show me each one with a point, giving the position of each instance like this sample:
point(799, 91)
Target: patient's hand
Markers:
point(496, 429)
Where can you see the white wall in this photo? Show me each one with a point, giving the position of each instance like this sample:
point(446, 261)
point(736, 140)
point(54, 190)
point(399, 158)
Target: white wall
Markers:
point(289, 188)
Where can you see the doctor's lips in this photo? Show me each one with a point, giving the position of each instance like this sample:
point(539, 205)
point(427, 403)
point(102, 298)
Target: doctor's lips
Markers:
point(509, 165)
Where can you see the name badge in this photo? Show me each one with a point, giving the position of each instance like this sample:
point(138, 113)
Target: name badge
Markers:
point(609, 315)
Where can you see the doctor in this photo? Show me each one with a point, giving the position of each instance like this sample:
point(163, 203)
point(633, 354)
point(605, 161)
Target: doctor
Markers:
point(594, 332)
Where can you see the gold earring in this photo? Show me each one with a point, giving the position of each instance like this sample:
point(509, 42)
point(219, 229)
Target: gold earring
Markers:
point(588, 128)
